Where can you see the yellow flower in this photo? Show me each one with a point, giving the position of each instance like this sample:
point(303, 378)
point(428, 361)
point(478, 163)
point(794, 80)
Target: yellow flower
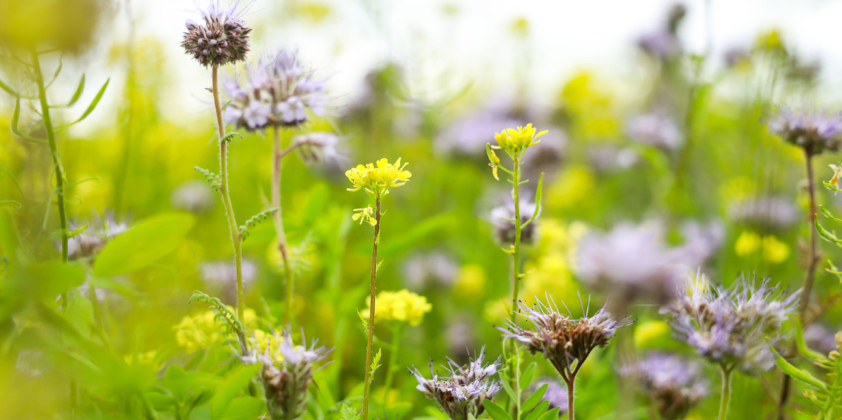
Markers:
point(771, 249)
point(403, 306)
point(649, 334)
point(378, 180)
point(470, 281)
point(747, 243)
point(365, 215)
point(517, 140)
point(264, 343)
point(203, 330)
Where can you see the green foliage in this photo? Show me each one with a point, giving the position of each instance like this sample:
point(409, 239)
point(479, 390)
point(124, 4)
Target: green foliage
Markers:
point(254, 220)
point(221, 310)
point(234, 384)
point(213, 179)
point(143, 244)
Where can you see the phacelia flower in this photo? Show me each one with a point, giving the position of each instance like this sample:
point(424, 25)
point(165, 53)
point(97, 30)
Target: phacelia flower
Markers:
point(320, 147)
point(663, 42)
point(634, 262)
point(655, 129)
point(378, 180)
point(221, 276)
point(468, 136)
point(565, 342)
point(277, 91)
point(434, 268)
point(462, 393)
point(814, 131)
point(287, 373)
point(94, 237)
point(673, 384)
point(400, 306)
point(768, 212)
point(221, 38)
point(556, 394)
point(505, 230)
point(734, 327)
point(194, 196)
point(516, 141)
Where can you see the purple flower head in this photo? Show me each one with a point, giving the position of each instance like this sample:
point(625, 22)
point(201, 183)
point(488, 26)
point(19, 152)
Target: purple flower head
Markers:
point(287, 377)
point(194, 196)
point(734, 327)
point(91, 240)
point(221, 38)
point(633, 262)
point(674, 384)
point(814, 131)
point(221, 277)
point(660, 44)
point(770, 212)
point(655, 129)
point(435, 268)
point(321, 147)
point(565, 342)
point(276, 91)
point(461, 393)
point(505, 230)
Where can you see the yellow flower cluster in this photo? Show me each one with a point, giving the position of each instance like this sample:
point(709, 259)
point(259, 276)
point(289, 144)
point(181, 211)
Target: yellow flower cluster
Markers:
point(264, 343)
point(377, 180)
point(365, 214)
point(772, 250)
point(203, 331)
point(517, 140)
point(403, 306)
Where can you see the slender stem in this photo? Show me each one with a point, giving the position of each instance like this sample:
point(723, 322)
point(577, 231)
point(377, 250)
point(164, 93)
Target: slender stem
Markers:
point(368, 378)
point(518, 228)
point(58, 168)
point(570, 385)
point(396, 341)
point(226, 199)
point(725, 398)
point(813, 257)
point(277, 217)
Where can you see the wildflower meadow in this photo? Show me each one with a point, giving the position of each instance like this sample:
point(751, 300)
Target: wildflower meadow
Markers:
point(303, 209)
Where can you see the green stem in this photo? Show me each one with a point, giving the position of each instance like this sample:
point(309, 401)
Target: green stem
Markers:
point(368, 378)
point(396, 341)
point(725, 398)
point(277, 217)
point(58, 168)
point(518, 228)
point(570, 385)
point(226, 199)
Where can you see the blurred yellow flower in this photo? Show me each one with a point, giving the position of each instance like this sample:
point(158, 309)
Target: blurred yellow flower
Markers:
point(648, 334)
point(770, 41)
point(147, 358)
point(520, 27)
point(470, 281)
point(590, 108)
point(203, 330)
point(772, 250)
point(365, 214)
point(572, 188)
point(496, 311)
point(737, 189)
point(403, 306)
point(264, 343)
point(378, 180)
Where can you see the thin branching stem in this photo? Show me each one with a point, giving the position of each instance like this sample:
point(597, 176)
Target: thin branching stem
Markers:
point(725, 398)
point(283, 247)
point(370, 343)
point(226, 199)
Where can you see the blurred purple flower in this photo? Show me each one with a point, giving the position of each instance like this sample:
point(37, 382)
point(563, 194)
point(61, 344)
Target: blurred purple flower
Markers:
point(321, 147)
point(194, 196)
point(434, 268)
point(221, 277)
point(556, 394)
point(814, 131)
point(505, 231)
point(675, 385)
point(608, 159)
point(655, 129)
point(765, 212)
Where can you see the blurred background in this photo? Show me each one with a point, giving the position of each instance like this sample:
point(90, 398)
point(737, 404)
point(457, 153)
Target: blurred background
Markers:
point(657, 161)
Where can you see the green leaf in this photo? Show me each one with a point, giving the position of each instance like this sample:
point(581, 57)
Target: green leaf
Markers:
point(798, 374)
point(91, 107)
point(541, 409)
point(535, 398)
point(824, 233)
point(508, 387)
point(78, 93)
point(495, 411)
point(254, 220)
point(213, 179)
point(802, 346)
point(8, 89)
point(244, 408)
point(80, 312)
point(50, 279)
point(233, 384)
point(526, 377)
point(143, 244)
point(550, 415)
point(181, 383)
point(375, 363)
point(228, 137)
point(348, 413)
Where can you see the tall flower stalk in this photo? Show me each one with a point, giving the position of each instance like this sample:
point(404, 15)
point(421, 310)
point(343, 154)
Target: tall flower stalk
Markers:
point(376, 181)
point(221, 38)
point(814, 132)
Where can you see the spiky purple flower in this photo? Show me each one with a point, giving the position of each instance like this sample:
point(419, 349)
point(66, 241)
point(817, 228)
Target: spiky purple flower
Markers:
point(674, 384)
point(285, 382)
point(814, 131)
point(565, 342)
point(734, 327)
point(655, 129)
point(221, 37)
point(277, 91)
point(461, 394)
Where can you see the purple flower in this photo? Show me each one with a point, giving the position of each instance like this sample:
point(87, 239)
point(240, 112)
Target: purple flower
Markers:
point(556, 394)
point(660, 44)
point(814, 131)
point(734, 327)
point(435, 268)
point(462, 393)
point(320, 147)
point(675, 385)
point(468, 136)
point(221, 277)
point(565, 342)
point(765, 212)
point(194, 196)
point(608, 159)
point(277, 91)
point(221, 38)
point(655, 129)
point(91, 240)
point(505, 230)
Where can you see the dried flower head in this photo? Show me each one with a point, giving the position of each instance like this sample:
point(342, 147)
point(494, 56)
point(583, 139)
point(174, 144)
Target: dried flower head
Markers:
point(734, 327)
point(400, 306)
point(814, 131)
point(221, 38)
point(565, 342)
point(461, 393)
point(378, 180)
point(505, 229)
point(655, 129)
point(287, 372)
point(278, 91)
point(674, 384)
